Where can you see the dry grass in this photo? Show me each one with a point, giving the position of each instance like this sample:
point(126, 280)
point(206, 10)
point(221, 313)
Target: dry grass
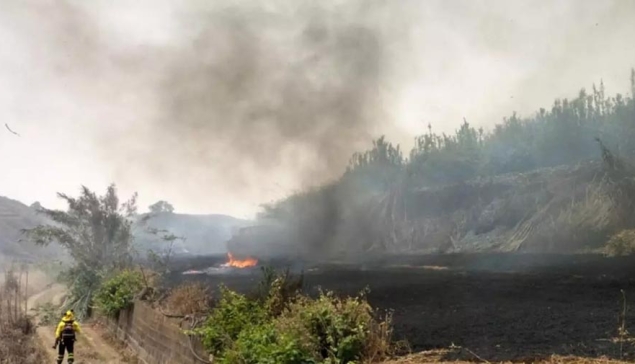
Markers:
point(464, 356)
point(127, 354)
point(18, 344)
point(189, 299)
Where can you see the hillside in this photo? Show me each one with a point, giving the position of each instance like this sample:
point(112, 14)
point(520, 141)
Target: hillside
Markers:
point(544, 183)
point(15, 216)
point(204, 234)
point(565, 209)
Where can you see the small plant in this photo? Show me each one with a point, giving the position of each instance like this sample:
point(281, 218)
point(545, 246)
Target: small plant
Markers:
point(118, 292)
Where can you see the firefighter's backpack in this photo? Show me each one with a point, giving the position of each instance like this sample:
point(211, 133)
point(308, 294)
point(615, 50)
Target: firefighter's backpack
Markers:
point(68, 331)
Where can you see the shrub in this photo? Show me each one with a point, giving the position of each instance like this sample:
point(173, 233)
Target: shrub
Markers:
point(277, 290)
point(620, 244)
point(118, 292)
point(264, 344)
point(233, 313)
point(287, 327)
point(189, 299)
point(340, 330)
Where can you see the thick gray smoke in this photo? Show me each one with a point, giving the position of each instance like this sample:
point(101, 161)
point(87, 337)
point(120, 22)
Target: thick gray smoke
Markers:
point(258, 89)
point(221, 105)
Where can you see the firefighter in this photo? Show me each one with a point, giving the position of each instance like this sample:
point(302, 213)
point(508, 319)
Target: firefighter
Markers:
point(65, 336)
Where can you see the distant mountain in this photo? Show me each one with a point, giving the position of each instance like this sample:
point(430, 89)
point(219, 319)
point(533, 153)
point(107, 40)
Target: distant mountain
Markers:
point(15, 216)
point(204, 234)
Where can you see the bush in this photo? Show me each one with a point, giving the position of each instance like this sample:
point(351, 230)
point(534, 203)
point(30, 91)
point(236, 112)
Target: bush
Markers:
point(264, 344)
point(233, 313)
point(288, 327)
point(118, 292)
point(189, 299)
point(339, 330)
point(621, 244)
point(277, 290)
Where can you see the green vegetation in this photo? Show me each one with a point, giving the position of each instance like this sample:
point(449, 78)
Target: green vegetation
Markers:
point(97, 233)
point(281, 327)
point(118, 292)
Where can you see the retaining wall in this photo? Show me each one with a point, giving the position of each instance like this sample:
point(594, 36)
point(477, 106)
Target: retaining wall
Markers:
point(155, 338)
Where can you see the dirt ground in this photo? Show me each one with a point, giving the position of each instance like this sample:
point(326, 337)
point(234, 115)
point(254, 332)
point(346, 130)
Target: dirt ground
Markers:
point(91, 346)
point(499, 307)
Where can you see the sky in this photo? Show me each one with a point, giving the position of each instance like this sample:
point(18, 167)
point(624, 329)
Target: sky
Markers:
point(219, 107)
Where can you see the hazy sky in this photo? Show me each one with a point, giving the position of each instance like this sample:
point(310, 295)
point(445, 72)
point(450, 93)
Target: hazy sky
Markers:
point(220, 106)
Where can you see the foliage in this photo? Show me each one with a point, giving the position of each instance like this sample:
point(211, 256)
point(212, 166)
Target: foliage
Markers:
point(96, 230)
point(189, 299)
point(233, 313)
point(83, 281)
point(118, 292)
point(622, 243)
point(285, 326)
point(337, 329)
point(277, 290)
point(97, 233)
point(264, 344)
point(161, 207)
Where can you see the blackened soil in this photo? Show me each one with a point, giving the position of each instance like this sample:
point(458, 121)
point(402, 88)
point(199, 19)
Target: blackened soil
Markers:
point(501, 307)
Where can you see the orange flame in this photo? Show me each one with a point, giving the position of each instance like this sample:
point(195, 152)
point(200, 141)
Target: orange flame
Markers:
point(237, 263)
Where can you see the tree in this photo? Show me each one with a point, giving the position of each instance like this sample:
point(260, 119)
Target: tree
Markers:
point(161, 259)
point(97, 233)
point(160, 207)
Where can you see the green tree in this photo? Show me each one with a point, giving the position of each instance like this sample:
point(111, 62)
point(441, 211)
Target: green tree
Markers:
point(97, 233)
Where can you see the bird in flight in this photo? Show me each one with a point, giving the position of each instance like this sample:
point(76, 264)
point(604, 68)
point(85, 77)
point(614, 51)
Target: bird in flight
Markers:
point(9, 129)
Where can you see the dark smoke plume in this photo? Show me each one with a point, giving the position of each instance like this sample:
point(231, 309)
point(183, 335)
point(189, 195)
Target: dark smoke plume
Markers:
point(256, 91)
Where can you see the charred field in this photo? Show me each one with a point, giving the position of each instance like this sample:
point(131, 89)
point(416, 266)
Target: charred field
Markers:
point(500, 306)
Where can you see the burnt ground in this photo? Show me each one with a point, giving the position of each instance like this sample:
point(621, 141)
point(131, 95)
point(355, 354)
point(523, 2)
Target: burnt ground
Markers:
point(501, 307)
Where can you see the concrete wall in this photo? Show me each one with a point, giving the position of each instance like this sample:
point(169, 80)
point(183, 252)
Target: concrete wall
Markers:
point(155, 338)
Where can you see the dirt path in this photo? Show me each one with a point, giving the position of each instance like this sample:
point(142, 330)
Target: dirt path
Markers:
point(90, 347)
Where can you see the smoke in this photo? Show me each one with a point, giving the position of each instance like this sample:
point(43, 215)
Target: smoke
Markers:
point(224, 105)
point(256, 89)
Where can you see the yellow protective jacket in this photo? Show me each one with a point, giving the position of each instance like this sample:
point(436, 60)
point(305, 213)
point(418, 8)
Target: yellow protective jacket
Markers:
point(68, 318)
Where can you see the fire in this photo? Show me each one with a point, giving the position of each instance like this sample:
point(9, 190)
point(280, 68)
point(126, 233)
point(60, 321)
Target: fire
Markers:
point(238, 263)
